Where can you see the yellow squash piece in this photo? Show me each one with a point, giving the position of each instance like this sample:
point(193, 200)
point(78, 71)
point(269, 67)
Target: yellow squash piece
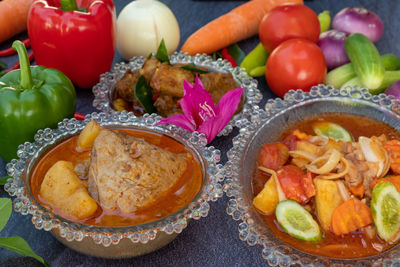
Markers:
point(268, 198)
point(327, 199)
point(87, 136)
point(63, 189)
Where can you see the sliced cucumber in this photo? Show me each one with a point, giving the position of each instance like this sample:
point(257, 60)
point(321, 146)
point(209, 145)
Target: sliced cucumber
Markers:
point(385, 207)
point(297, 221)
point(332, 130)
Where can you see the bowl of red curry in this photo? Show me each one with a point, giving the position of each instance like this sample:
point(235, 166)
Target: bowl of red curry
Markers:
point(115, 186)
point(314, 180)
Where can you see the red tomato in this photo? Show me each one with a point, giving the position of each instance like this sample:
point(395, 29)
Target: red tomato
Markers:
point(273, 155)
point(286, 22)
point(290, 178)
point(295, 64)
point(296, 184)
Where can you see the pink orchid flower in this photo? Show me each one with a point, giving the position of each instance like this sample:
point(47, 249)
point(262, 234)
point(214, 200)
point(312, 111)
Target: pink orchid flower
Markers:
point(200, 113)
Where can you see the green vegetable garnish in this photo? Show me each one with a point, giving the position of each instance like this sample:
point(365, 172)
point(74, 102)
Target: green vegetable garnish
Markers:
point(297, 221)
point(256, 58)
point(4, 180)
point(332, 130)
point(14, 243)
point(3, 65)
point(385, 207)
point(193, 68)
point(237, 53)
point(144, 94)
point(258, 71)
point(162, 53)
point(324, 20)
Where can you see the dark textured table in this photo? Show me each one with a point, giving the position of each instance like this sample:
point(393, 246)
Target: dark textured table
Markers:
point(210, 241)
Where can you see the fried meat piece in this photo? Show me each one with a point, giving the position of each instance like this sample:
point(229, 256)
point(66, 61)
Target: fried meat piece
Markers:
point(168, 80)
point(166, 105)
point(217, 84)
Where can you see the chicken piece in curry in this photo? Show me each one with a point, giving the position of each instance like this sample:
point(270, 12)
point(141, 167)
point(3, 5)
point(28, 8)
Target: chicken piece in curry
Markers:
point(113, 177)
point(166, 82)
point(128, 173)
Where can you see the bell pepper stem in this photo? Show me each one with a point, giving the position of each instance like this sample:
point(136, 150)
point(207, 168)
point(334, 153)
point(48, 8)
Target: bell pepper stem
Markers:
point(25, 67)
point(69, 5)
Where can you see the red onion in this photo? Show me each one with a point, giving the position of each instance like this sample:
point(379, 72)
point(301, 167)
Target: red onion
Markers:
point(359, 20)
point(332, 45)
point(394, 89)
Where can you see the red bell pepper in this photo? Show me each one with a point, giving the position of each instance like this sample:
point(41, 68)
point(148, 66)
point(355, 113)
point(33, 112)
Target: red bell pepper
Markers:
point(77, 38)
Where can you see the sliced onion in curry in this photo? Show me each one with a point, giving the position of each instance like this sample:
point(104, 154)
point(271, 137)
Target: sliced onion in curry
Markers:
point(374, 151)
point(332, 176)
point(302, 154)
point(319, 140)
point(344, 192)
point(328, 162)
point(281, 194)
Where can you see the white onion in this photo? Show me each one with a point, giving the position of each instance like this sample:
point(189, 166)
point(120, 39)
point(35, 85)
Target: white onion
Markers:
point(141, 26)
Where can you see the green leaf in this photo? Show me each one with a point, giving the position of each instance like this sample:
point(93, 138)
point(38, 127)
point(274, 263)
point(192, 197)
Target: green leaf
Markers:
point(193, 68)
point(216, 55)
point(162, 53)
point(4, 180)
point(5, 211)
point(144, 95)
point(20, 246)
point(3, 65)
point(237, 53)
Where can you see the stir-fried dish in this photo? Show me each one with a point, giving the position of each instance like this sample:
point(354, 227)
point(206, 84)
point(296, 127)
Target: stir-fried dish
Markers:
point(116, 177)
point(331, 186)
point(166, 87)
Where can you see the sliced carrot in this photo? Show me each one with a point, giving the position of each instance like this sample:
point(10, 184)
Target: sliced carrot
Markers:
point(392, 147)
point(13, 17)
point(358, 190)
point(395, 180)
point(350, 216)
point(238, 24)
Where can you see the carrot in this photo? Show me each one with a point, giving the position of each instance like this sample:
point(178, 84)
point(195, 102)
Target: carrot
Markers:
point(358, 190)
point(13, 17)
point(395, 180)
point(392, 147)
point(350, 216)
point(238, 24)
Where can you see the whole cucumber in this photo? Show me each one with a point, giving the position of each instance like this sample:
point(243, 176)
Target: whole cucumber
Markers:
point(366, 60)
point(340, 76)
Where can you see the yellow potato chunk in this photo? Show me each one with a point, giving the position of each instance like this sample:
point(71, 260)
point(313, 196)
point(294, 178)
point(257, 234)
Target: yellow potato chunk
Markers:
point(63, 189)
point(268, 198)
point(87, 136)
point(327, 199)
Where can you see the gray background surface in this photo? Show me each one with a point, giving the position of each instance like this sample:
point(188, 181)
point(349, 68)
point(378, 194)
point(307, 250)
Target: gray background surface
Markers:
point(210, 241)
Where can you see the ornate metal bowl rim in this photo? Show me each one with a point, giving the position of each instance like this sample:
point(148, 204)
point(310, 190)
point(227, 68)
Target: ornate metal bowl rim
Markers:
point(43, 218)
point(103, 91)
point(279, 253)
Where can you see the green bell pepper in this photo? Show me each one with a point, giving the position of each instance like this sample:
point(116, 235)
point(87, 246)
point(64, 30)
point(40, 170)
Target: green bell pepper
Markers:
point(31, 98)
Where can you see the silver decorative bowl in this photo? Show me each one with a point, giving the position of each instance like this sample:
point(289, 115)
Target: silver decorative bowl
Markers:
point(114, 242)
point(268, 126)
point(104, 90)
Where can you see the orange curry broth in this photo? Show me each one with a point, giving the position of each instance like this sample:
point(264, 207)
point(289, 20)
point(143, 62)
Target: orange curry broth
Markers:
point(171, 201)
point(355, 244)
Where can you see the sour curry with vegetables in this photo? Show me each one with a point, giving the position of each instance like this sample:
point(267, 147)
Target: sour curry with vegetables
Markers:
point(348, 202)
point(116, 177)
